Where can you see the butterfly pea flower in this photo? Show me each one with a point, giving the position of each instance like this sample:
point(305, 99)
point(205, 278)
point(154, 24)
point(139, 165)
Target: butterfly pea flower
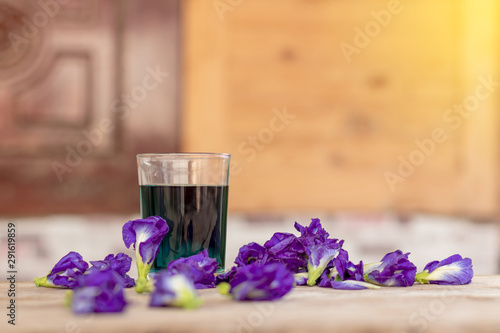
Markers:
point(99, 291)
point(319, 256)
point(65, 273)
point(200, 268)
point(120, 263)
point(349, 278)
point(347, 285)
point(145, 235)
point(312, 234)
point(251, 253)
point(395, 270)
point(286, 248)
point(259, 282)
point(300, 278)
point(320, 249)
point(174, 290)
point(227, 276)
point(453, 270)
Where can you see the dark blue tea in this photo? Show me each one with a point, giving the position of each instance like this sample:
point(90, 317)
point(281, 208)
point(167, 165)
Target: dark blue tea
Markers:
point(196, 217)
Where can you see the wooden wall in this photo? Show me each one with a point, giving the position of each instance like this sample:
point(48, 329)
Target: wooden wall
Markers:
point(78, 101)
point(354, 117)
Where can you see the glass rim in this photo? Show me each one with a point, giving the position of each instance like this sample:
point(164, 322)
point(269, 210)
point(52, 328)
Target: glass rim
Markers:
point(183, 155)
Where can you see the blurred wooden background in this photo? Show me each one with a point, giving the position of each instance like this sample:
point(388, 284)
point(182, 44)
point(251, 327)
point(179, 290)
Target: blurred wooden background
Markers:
point(318, 102)
point(354, 116)
point(84, 86)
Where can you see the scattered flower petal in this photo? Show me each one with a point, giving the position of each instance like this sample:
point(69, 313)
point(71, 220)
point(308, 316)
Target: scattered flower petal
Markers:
point(99, 291)
point(286, 248)
point(145, 235)
point(395, 270)
point(199, 268)
point(251, 253)
point(258, 282)
point(300, 278)
point(226, 276)
point(451, 271)
point(349, 285)
point(174, 290)
point(120, 263)
point(65, 273)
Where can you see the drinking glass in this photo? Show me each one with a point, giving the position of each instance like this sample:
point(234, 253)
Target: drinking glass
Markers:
point(190, 191)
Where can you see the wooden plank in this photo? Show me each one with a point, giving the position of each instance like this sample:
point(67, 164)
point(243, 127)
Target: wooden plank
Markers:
point(353, 120)
point(429, 308)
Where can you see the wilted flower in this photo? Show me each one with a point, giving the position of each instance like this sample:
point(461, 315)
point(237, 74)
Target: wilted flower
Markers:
point(258, 282)
point(65, 273)
point(251, 253)
point(145, 235)
point(99, 291)
point(286, 248)
point(395, 270)
point(120, 263)
point(452, 270)
point(174, 290)
point(199, 268)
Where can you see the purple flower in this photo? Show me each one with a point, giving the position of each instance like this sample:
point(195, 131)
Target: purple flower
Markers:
point(174, 290)
point(286, 248)
point(251, 253)
point(319, 249)
point(226, 276)
point(145, 235)
point(314, 230)
point(120, 263)
point(343, 269)
point(452, 270)
point(300, 278)
point(348, 285)
point(99, 291)
point(65, 273)
point(200, 268)
point(319, 257)
point(395, 270)
point(260, 282)
point(345, 276)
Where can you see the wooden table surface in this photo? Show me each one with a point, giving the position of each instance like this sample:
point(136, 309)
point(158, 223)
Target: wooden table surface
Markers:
point(427, 308)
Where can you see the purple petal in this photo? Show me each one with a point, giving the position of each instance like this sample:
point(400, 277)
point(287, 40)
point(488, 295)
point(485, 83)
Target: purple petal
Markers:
point(226, 276)
point(251, 253)
point(120, 263)
point(451, 271)
point(199, 268)
point(100, 291)
point(148, 232)
point(286, 248)
point(261, 282)
point(395, 270)
point(66, 271)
